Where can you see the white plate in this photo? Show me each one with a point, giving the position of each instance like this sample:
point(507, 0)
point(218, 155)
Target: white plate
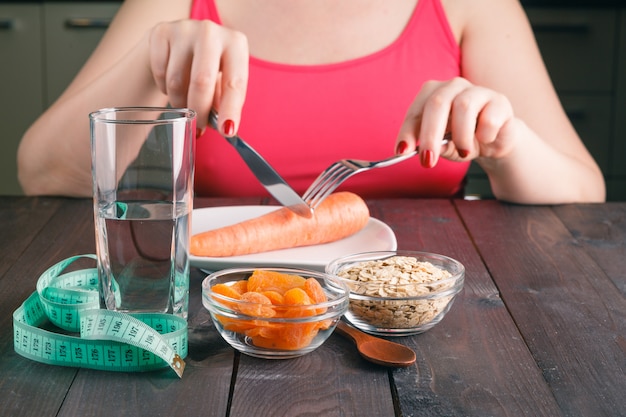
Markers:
point(375, 236)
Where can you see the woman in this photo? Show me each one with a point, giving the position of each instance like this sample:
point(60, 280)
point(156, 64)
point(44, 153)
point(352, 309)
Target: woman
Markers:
point(327, 80)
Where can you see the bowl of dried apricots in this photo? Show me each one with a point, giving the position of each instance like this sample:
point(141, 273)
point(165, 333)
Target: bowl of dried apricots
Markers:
point(274, 313)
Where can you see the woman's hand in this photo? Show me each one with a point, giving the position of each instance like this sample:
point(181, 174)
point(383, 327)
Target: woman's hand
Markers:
point(199, 64)
point(149, 56)
point(483, 127)
point(480, 121)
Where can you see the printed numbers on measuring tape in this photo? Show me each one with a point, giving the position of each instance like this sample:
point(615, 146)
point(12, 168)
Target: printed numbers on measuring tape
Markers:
point(108, 340)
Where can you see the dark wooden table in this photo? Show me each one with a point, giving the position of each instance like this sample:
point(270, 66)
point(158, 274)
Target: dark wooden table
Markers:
point(539, 329)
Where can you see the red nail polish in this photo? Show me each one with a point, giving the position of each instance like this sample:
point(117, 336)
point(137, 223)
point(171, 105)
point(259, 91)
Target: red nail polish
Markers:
point(401, 148)
point(463, 152)
point(427, 158)
point(229, 127)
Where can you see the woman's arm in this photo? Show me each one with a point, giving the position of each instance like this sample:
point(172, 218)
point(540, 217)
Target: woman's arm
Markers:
point(549, 163)
point(504, 112)
point(54, 155)
point(151, 55)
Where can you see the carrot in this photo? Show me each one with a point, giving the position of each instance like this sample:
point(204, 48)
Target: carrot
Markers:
point(340, 215)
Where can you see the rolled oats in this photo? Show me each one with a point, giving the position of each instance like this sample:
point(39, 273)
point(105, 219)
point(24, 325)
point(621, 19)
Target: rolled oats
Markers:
point(392, 279)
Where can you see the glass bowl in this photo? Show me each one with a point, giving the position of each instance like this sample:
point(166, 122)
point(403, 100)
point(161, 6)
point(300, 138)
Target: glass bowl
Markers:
point(398, 293)
point(258, 313)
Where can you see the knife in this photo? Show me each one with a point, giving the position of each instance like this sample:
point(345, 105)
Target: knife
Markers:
point(267, 175)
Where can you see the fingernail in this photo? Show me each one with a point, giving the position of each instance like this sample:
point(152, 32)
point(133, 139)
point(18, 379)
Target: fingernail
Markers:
point(200, 132)
point(401, 147)
point(463, 152)
point(427, 158)
point(229, 127)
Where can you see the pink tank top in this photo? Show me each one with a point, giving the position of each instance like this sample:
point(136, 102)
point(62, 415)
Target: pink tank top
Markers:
point(303, 118)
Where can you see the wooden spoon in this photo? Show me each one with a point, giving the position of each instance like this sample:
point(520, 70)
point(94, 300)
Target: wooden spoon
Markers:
point(377, 350)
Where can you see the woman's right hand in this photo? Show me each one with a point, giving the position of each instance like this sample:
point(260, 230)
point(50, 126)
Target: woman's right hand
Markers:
point(199, 64)
point(151, 55)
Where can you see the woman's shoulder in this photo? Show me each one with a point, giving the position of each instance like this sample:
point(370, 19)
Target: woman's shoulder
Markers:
point(476, 15)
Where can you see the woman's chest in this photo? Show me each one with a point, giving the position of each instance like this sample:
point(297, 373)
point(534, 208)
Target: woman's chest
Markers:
point(302, 32)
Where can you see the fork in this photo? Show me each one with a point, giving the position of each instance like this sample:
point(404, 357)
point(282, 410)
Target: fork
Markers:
point(333, 176)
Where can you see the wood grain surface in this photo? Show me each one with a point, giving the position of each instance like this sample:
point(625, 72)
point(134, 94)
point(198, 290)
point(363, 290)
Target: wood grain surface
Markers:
point(538, 330)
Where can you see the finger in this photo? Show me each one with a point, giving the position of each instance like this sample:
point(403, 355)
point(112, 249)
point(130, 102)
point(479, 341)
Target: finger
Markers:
point(466, 108)
point(407, 138)
point(492, 118)
point(234, 82)
point(178, 70)
point(204, 73)
point(406, 141)
point(159, 55)
point(435, 117)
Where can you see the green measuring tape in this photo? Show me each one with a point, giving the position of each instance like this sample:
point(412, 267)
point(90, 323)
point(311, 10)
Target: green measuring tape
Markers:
point(108, 340)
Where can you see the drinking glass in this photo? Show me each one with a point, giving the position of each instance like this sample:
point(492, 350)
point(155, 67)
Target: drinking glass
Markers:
point(142, 166)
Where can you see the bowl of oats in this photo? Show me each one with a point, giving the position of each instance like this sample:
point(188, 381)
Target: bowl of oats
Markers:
point(398, 293)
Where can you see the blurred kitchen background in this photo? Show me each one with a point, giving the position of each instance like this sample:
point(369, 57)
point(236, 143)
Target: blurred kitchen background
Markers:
point(583, 42)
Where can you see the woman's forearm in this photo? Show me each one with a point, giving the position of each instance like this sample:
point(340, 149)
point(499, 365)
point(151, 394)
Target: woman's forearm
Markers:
point(537, 173)
point(54, 155)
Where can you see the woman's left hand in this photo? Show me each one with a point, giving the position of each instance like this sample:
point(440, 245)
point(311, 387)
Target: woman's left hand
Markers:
point(481, 123)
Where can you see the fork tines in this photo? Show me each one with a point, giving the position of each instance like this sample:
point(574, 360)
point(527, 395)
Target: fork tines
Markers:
point(327, 182)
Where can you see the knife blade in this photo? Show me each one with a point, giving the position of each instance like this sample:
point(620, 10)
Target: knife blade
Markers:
point(266, 175)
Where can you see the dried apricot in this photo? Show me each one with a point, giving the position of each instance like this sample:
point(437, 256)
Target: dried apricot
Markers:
point(314, 290)
point(227, 291)
point(296, 304)
point(236, 325)
point(316, 293)
point(263, 280)
point(297, 297)
point(265, 330)
point(241, 286)
point(256, 304)
point(275, 297)
point(289, 337)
